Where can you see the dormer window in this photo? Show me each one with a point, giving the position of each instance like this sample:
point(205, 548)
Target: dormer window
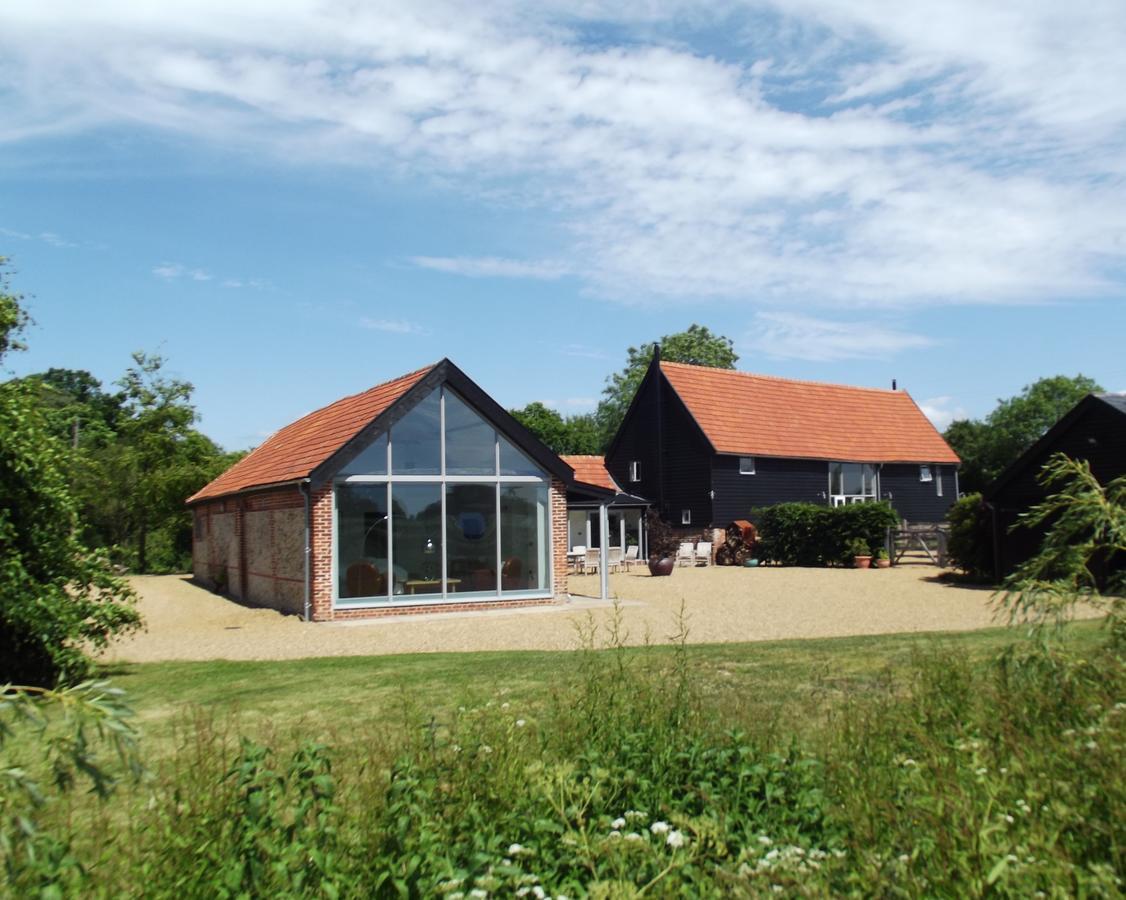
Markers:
point(746, 465)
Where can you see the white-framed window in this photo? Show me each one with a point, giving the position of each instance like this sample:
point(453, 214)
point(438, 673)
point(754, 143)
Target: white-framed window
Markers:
point(686, 517)
point(852, 483)
point(635, 471)
point(440, 507)
point(746, 465)
point(925, 473)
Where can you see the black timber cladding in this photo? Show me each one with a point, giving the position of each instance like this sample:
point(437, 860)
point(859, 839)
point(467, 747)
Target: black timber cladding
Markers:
point(775, 481)
point(916, 500)
point(1094, 430)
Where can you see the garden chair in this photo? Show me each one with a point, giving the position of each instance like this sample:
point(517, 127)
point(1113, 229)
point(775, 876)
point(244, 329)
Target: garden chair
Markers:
point(614, 558)
point(630, 559)
point(592, 560)
point(704, 553)
point(577, 558)
point(686, 555)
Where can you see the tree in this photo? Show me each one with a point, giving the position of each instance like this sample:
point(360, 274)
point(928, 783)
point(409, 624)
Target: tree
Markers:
point(696, 346)
point(988, 447)
point(57, 599)
point(570, 435)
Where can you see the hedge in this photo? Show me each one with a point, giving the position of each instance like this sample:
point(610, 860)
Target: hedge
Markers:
point(971, 538)
point(805, 534)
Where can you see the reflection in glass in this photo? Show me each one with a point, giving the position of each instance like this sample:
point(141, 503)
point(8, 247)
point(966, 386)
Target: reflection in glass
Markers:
point(416, 439)
point(416, 511)
point(471, 538)
point(523, 537)
point(470, 440)
point(852, 479)
point(513, 462)
point(361, 516)
point(371, 461)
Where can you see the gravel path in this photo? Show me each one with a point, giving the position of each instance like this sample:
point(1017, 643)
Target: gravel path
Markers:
point(186, 622)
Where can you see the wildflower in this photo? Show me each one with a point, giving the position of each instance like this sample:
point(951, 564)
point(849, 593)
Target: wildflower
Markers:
point(523, 892)
point(457, 748)
point(675, 839)
point(764, 840)
point(615, 834)
point(478, 894)
point(638, 814)
point(633, 836)
point(618, 823)
point(485, 748)
point(982, 771)
point(538, 892)
point(461, 709)
point(520, 723)
point(659, 827)
point(1004, 770)
point(904, 858)
point(1091, 745)
point(1009, 819)
point(1010, 858)
point(515, 849)
point(777, 888)
point(504, 706)
point(908, 763)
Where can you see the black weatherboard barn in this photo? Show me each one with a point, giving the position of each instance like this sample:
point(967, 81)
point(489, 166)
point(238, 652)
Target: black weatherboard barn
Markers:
point(707, 445)
point(1093, 430)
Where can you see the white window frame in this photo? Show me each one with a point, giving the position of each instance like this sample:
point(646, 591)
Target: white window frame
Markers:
point(842, 499)
point(686, 517)
point(634, 471)
point(743, 469)
point(442, 480)
point(926, 473)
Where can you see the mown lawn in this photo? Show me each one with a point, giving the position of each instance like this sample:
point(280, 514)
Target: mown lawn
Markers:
point(787, 681)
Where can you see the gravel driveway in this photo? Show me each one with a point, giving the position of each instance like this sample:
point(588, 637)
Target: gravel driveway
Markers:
point(186, 622)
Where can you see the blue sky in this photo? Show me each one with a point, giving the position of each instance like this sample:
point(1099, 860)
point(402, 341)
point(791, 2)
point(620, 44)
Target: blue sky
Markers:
point(292, 201)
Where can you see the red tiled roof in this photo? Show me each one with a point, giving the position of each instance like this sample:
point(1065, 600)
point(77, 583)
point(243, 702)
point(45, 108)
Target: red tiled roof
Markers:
point(592, 470)
point(296, 450)
point(759, 415)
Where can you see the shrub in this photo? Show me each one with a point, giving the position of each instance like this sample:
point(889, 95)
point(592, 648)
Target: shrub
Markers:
point(662, 539)
point(970, 543)
point(805, 534)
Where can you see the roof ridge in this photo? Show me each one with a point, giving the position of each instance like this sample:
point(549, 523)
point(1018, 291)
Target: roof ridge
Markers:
point(832, 384)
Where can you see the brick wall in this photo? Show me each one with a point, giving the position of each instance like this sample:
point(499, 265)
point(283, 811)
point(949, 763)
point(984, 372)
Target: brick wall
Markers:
point(320, 563)
point(559, 544)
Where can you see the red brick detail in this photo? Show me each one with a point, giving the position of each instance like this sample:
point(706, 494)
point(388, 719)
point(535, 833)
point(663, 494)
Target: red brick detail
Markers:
point(559, 542)
point(452, 606)
point(320, 561)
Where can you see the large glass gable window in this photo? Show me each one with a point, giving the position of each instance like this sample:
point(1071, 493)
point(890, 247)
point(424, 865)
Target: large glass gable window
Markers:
point(463, 514)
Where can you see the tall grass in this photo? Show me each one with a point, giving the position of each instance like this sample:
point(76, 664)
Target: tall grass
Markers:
point(950, 778)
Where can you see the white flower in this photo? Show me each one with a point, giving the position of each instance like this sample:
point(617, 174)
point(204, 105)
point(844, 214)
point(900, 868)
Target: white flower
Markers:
point(1091, 745)
point(504, 706)
point(523, 892)
point(659, 827)
point(478, 893)
point(520, 723)
point(515, 849)
point(633, 836)
point(538, 892)
point(904, 858)
point(675, 839)
point(615, 834)
point(982, 770)
point(485, 748)
point(764, 840)
point(1009, 819)
point(638, 814)
point(618, 823)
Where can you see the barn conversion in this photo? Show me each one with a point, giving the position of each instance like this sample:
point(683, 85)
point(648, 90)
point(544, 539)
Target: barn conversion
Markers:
point(421, 493)
point(709, 445)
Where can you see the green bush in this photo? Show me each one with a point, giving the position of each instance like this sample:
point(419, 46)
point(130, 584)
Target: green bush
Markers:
point(970, 542)
point(805, 534)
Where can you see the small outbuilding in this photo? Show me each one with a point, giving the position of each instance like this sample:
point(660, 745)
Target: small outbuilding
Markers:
point(1093, 430)
point(420, 494)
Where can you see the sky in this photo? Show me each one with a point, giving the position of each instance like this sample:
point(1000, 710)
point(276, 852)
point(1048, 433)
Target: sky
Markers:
point(293, 200)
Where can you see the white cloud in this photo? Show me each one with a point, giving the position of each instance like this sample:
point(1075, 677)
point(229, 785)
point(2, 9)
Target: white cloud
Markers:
point(493, 267)
point(796, 336)
point(942, 411)
point(172, 271)
point(848, 152)
point(393, 326)
point(47, 237)
point(582, 351)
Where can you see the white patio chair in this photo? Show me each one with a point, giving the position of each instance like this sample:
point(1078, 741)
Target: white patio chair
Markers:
point(592, 560)
point(704, 553)
point(577, 558)
point(686, 555)
point(614, 558)
point(630, 559)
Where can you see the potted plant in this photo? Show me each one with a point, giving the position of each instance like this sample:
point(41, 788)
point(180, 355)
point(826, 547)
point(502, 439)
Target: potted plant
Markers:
point(882, 560)
point(662, 544)
point(861, 554)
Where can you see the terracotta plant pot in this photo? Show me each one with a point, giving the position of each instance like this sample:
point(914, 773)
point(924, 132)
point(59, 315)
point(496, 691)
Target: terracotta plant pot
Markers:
point(883, 563)
point(661, 565)
point(862, 562)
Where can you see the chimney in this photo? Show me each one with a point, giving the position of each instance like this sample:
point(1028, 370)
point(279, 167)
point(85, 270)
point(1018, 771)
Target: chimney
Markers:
point(893, 387)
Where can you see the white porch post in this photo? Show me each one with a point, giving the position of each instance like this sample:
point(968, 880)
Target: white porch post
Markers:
point(603, 552)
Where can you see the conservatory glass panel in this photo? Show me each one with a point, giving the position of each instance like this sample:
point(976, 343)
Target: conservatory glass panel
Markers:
point(371, 461)
point(524, 541)
point(416, 447)
point(470, 440)
point(361, 540)
point(471, 538)
point(513, 462)
point(416, 523)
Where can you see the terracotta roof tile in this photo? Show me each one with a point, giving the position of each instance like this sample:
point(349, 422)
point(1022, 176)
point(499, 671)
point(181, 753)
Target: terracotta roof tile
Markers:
point(592, 470)
point(760, 415)
point(296, 450)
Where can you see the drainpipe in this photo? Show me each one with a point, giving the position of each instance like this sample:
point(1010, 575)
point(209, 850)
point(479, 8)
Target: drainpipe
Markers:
point(303, 486)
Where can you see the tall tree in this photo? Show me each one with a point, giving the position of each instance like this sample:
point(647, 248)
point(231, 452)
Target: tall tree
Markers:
point(564, 435)
point(696, 346)
point(988, 446)
point(57, 599)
